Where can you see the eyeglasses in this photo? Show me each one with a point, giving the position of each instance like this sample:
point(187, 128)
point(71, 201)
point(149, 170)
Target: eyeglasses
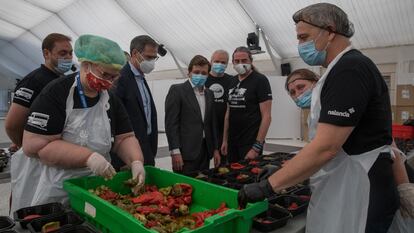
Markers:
point(106, 75)
point(149, 58)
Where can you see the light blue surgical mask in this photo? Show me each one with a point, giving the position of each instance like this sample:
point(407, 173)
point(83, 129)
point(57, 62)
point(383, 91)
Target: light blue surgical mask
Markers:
point(218, 68)
point(304, 100)
point(309, 53)
point(63, 65)
point(198, 80)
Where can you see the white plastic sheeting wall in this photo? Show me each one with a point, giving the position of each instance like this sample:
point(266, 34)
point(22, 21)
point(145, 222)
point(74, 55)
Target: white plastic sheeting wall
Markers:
point(285, 114)
point(186, 27)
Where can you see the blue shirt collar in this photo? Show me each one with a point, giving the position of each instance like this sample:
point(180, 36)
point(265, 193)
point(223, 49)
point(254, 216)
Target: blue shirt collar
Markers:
point(135, 71)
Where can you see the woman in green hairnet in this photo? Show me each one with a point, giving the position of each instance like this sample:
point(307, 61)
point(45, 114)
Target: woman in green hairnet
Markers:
point(75, 122)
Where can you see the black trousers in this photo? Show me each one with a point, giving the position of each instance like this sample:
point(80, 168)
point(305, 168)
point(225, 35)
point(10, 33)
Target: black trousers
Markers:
point(202, 162)
point(237, 152)
point(383, 197)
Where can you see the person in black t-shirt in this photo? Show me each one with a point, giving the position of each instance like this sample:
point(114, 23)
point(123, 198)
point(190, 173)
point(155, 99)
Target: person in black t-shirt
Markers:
point(348, 160)
point(57, 52)
point(299, 84)
point(218, 81)
point(248, 114)
point(75, 122)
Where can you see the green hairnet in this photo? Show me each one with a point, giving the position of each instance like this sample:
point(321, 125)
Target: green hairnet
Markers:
point(100, 50)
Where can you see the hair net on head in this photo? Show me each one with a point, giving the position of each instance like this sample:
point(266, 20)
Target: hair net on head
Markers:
point(326, 16)
point(99, 50)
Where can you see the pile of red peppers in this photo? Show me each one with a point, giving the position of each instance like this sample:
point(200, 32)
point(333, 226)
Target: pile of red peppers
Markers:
point(165, 209)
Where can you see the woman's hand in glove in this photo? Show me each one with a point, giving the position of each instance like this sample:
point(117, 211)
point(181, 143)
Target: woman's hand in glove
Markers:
point(138, 173)
point(100, 166)
point(406, 192)
point(254, 192)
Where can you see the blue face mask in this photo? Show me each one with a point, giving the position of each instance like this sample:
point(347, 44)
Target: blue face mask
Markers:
point(218, 68)
point(304, 100)
point(63, 65)
point(198, 80)
point(310, 55)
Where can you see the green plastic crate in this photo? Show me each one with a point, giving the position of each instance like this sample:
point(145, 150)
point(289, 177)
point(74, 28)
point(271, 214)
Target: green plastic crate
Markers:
point(111, 219)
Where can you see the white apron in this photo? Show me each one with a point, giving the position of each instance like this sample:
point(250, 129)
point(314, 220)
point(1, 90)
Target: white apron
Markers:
point(89, 127)
point(400, 224)
point(24, 173)
point(340, 189)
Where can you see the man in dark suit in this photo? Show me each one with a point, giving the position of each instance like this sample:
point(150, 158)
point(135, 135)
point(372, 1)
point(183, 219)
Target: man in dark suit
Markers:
point(133, 90)
point(190, 121)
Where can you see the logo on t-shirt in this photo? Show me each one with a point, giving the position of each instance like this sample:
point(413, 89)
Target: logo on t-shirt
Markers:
point(237, 97)
point(38, 120)
point(346, 114)
point(237, 92)
point(24, 94)
point(218, 90)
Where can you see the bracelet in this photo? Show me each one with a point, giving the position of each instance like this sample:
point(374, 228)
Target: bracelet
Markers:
point(257, 147)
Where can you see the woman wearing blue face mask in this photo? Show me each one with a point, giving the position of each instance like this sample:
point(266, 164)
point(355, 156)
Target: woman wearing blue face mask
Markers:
point(299, 85)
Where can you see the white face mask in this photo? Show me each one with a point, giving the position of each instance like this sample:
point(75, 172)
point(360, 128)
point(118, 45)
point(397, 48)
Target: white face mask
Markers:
point(242, 68)
point(146, 66)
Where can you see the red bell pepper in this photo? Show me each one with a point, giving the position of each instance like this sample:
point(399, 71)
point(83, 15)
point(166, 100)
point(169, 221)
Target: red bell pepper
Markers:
point(255, 170)
point(187, 200)
point(293, 206)
point(151, 188)
point(109, 195)
point(146, 209)
point(253, 162)
point(236, 166)
point(151, 224)
point(150, 198)
point(164, 210)
point(186, 189)
point(170, 202)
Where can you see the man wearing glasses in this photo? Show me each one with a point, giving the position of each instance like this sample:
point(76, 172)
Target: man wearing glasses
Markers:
point(133, 90)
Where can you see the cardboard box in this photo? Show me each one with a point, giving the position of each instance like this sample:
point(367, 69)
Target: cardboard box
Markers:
point(405, 95)
point(304, 128)
point(404, 113)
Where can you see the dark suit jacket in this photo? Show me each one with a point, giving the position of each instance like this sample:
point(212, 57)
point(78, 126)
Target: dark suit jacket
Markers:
point(184, 125)
point(127, 90)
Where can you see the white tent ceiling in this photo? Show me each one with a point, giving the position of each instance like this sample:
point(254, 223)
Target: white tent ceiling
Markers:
point(186, 27)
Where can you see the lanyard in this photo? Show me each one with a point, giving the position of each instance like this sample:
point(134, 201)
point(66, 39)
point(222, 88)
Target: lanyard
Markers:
point(80, 92)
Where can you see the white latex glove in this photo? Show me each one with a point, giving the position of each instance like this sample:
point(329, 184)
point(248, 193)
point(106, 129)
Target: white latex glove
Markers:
point(100, 166)
point(406, 192)
point(138, 172)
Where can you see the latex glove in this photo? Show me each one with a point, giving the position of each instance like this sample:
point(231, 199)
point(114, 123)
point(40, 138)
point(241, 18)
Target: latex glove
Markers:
point(177, 162)
point(138, 173)
point(252, 154)
point(406, 193)
point(254, 192)
point(217, 158)
point(267, 171)
point(100, 166)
